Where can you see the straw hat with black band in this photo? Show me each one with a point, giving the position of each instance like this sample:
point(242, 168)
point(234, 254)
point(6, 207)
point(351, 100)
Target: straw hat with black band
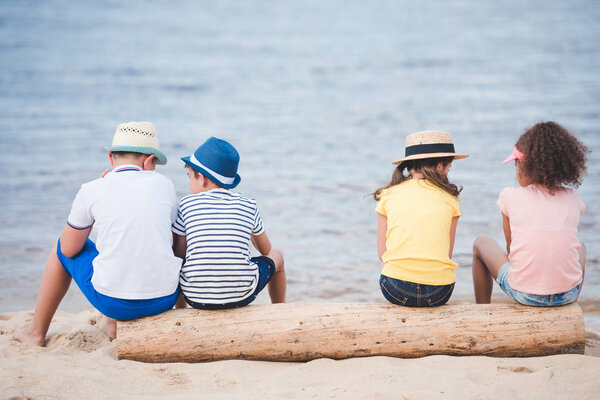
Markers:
point(429, 144)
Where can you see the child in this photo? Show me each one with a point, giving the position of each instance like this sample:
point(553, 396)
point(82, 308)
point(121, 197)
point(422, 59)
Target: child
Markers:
point(213, 230)
point(416, 223)
point(130, 271)
point(545, 262)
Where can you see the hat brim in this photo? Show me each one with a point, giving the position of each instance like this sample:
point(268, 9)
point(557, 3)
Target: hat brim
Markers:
point(161, 158)
point(509, 159)
point(236, 180)
point(431, 155)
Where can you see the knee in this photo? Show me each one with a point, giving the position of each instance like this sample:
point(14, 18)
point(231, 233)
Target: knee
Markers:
point(277, 257)
point(479, 242)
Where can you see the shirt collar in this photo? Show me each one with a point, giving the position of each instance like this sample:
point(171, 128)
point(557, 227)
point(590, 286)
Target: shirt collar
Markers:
point(127, 167)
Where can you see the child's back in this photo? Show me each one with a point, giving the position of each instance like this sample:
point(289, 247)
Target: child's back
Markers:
point(131, 211)
point(544, 251)
point(218, 225)
point(419, 216)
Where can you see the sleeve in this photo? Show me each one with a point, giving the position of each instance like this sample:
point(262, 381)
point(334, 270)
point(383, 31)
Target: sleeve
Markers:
point(178, 226)
point(581, 203)
point(380, 207)
point(81, 216)
point(504, 201)
point(455, 205)
point(258, 228)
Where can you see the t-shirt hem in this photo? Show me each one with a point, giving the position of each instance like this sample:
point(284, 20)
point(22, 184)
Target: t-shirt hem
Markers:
point(451, 278)
point(540, 292)
point(199, 300)
point(135, 296)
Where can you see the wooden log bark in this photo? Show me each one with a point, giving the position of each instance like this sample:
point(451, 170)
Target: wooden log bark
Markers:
point(306, 331)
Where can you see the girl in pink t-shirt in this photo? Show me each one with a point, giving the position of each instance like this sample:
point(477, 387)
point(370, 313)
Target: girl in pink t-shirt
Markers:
point(544, 263)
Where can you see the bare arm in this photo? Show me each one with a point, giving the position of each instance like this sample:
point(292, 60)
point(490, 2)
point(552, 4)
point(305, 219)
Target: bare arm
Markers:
point(261, 243)
point(452, 235)
point(381, 235)
point(507, 234)
point(179, 246)
point(72, 240)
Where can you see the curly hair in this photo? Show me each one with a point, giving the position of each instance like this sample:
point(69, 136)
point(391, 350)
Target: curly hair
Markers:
point(554, 157)
point(427, 167)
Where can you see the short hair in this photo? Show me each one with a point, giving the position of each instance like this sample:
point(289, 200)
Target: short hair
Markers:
point(127, 154)
point(196, 173)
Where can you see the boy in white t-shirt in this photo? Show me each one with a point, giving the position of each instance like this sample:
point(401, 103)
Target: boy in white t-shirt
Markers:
point(130, 271)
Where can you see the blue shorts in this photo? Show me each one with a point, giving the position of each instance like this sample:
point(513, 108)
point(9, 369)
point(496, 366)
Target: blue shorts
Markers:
point(266, 270)
point(537, 300)
point(81, 270)
point(411, 294)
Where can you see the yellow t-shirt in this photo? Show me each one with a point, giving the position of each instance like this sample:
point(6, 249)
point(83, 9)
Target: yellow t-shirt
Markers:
point(419, 215)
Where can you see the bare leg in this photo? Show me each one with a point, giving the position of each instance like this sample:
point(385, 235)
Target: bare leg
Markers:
point(277, 286)
point(488, 258)
point(54, 286)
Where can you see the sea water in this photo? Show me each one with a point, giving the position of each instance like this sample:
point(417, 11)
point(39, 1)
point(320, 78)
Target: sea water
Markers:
point(317, 97)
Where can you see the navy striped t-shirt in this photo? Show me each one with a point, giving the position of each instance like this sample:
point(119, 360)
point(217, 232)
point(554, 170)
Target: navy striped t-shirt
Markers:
point(218, 225)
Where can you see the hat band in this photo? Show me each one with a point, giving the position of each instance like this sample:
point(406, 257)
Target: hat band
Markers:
point(224, 179)
point(429, 148)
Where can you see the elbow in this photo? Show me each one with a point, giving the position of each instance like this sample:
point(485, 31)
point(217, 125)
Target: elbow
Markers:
point(68, 252)
point(70, 249)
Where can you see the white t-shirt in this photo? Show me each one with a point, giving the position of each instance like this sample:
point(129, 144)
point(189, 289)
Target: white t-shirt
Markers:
point(131, 212)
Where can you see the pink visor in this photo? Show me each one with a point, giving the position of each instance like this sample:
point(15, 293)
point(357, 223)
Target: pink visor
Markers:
point(516, 155)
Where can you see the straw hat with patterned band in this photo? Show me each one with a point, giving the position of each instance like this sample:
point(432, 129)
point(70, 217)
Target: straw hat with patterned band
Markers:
point(217, 160)
point(137, 137)
point(429, 144)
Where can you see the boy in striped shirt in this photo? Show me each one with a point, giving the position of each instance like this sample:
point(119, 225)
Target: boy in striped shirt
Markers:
point(213, 232)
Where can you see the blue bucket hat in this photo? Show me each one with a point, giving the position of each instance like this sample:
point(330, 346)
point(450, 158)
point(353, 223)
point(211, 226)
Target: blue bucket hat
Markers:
point(218, 161)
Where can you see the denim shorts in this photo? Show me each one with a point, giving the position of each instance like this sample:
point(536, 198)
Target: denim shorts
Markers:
point(81, 269)
point(411, 294)
point(537, 300)
point(266, 270)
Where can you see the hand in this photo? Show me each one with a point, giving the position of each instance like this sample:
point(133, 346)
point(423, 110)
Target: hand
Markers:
point(103, 174)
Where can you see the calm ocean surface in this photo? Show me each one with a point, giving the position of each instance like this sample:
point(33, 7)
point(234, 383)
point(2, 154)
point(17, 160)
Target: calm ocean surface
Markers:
point(317, 97)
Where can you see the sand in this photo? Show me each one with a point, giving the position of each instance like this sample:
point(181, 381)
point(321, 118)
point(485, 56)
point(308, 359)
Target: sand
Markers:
point(80, 362)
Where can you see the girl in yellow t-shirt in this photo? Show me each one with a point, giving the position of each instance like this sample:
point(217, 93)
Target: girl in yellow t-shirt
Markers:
point(417, 216)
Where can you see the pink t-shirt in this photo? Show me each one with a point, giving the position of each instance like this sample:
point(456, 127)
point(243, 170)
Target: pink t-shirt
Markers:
point(544, 251)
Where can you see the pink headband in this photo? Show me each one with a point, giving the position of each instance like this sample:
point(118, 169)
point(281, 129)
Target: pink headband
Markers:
point(516, 155)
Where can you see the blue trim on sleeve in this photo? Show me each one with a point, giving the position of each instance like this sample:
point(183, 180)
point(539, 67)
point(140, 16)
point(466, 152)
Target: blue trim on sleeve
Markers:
point(78, 227)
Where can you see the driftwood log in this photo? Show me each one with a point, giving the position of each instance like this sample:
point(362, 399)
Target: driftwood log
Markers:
point(305, 331)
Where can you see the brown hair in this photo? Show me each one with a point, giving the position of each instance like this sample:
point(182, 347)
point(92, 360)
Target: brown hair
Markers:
point(196, 173)
point(135, 155)
point(554, 157)
point(426, 166)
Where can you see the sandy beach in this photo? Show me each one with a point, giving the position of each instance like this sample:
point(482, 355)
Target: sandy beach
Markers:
point(80, 362)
